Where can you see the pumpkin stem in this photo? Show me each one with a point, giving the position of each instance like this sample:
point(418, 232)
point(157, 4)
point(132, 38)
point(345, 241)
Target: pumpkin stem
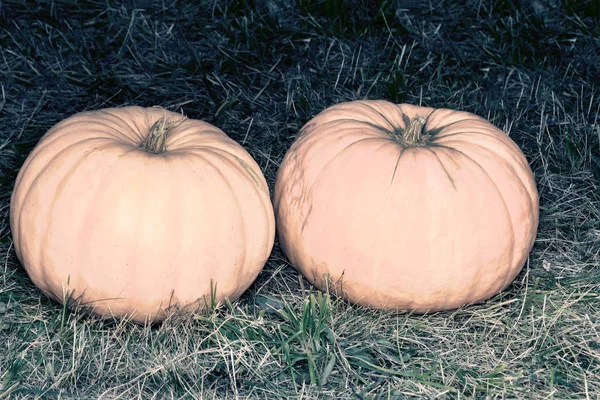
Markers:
point(412, 133)
point(155, 141)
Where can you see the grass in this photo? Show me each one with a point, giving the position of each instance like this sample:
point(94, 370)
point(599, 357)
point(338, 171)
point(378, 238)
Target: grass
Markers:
point(259, 71)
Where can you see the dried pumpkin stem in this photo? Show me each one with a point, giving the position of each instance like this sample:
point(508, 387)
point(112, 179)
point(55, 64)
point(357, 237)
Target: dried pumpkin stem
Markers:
point(412, 134)
point(155, 141)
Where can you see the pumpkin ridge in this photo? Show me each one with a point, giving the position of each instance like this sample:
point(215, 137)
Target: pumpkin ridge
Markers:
point(247, 168)
point(43, 145)
point(188, 133)
point(392, 125)
point(237, 203)
point(379, 128)
point(113, 113)
point(54, 158)
point(262, 188)
point(59, 188)
point(443, 167)
point(310, 208)
point(396, 166)
point(119, 135)
point(478, 133)
point(92, 206)
point(513, 172)
point(501, 195)
point(242, 229)
point(230, 162)
point(435, 131)
point(336, 155)
point(375, 126)
point(175, 224)
point(56, 132)
point(90, 117)
point(251, 172)
point(514, 156)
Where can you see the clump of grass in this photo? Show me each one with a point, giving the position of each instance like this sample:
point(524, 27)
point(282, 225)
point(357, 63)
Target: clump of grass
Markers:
point(260, 71)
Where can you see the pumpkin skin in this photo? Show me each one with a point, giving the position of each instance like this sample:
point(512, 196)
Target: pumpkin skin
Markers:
point(419, 225)
point(131, 232)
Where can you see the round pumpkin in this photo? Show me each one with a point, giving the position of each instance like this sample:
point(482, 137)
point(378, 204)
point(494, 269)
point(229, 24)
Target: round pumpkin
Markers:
point(405, 207)
point(134, 210)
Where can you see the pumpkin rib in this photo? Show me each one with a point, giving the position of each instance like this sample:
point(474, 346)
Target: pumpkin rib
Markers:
point(232, 191)
point(378, 250)
point(57, 190)
point(43, 146)
point(264, 204)
point(509, 166)
point(514, 157)
point(132, 110)
point(257, 182)
point(56, 158)
point(119, 136)
point(88, 216)
point(477, 133)
point(512, 228)
point(526, 193)
point(91, 132)
point(263, 190)
point(318, 139)
point(31, 160)
point(176, 186)
point(396, 166)
point(55, 131)
point(443, 114)
point(175, 224)
point(239, 209)
point(427, 117)
point(381, 114)
point(189, 135)
point(509, 144)
point(336, 155)
point(342, 109)
point(443, 167)
point(344, 120)
point(180, 183)
point(242, 229)
point(251, 182)
point(484, 129)
point(112, 131)
point(512, 154)
point(133, 271)
point(243, 252)
point(433, 132)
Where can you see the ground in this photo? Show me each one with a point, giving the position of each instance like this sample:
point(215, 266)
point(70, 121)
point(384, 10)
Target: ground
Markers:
point(259, 71)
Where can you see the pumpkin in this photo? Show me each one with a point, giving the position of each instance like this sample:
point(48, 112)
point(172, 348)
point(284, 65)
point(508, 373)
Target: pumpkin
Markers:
point(405, 207)
point(135, 210)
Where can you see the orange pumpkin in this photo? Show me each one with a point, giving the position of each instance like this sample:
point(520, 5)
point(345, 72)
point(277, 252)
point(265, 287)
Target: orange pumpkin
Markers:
point(405, 207)
point(133, 210)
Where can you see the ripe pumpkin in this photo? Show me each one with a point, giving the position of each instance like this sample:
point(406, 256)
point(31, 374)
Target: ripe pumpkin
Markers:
point(133, 210)
point(405, 207)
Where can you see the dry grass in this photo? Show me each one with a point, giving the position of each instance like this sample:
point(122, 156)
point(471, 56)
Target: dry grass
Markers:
point(259, 70)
